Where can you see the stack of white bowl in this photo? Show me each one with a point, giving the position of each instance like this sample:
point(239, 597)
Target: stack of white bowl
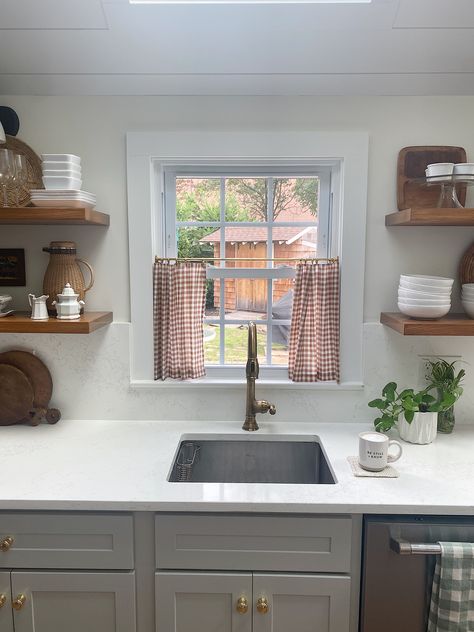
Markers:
point(62, 171)
point(424, 296)
point(62, 179)
point(467, 298)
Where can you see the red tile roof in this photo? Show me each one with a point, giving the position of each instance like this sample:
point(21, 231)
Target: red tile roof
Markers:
point(257, 233)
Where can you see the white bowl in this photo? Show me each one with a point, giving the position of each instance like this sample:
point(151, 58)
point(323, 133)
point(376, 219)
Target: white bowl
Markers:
point(423, 301)
point(467, 293)
point(423, 311)
point(4, 300)
point(60, 166)
point(464, 169)
point(468, 307)
point(61, 182)
point(70, 158)
point(436, 281)
point(440, 169)
point(64, 173)
point(405, 293)
point(468, 286)
point(428, 289)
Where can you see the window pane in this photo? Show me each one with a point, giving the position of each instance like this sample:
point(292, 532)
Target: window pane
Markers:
point(246, 200)
point(197, 199)
point(295, 199)
point(246, 299)
point(236, 344)
point(193, 242)
point(211, 343)
point(282, 307)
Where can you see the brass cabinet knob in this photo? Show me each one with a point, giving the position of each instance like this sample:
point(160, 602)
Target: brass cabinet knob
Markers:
point(3, 600)
point(262, 605)
point(6, 543)
point(242, 605)
point(19, 602)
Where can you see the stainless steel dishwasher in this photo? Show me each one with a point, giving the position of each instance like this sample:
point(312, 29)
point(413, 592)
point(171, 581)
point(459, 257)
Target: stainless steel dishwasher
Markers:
point(399, 555)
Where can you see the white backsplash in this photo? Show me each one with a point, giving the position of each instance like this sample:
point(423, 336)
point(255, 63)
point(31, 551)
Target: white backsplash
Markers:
point(91, 380)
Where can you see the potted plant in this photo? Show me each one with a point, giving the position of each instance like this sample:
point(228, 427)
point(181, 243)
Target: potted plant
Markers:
point(442, 376)
point(414, 413)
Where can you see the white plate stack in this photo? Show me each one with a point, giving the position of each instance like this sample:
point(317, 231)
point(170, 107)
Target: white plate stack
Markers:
point(424, 296)
point(62, 179)
point(467, 298)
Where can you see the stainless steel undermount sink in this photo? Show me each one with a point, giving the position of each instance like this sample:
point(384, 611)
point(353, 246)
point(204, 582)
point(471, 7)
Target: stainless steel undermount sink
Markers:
point(234, 459)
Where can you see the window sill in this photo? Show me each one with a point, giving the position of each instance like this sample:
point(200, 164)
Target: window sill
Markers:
point(233, 383)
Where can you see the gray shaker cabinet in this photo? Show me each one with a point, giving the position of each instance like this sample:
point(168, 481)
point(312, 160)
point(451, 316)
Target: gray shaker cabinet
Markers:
point(6, 615)
point(73, 601)
point(294, 573)
point(191, 602)
point(239, 602)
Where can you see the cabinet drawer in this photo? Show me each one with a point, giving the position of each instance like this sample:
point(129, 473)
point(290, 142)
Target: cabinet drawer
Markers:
point(253, 542)
point(69, 540)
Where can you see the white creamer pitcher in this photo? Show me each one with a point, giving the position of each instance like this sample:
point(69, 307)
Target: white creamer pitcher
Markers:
point(39, 310)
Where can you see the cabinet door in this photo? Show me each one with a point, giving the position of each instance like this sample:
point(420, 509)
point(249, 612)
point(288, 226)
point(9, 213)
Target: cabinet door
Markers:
point(191, 602)
point(6, 616)
point(74, 602)
point(301, 603)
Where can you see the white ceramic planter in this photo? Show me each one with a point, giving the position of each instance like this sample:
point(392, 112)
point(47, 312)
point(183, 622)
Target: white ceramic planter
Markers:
point(422, 429)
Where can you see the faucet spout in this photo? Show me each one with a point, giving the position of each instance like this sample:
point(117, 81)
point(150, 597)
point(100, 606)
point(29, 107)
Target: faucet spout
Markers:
point(253, 405)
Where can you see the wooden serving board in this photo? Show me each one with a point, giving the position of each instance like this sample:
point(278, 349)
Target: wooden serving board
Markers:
point(412, 162)
point(36, 372)
point(16, 395)
point(466, 266)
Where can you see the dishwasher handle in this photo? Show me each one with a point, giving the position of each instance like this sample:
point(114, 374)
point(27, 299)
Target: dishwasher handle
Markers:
point(402, 547)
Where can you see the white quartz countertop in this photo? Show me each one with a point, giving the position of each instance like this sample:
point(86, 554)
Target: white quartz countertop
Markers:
point(124, 466)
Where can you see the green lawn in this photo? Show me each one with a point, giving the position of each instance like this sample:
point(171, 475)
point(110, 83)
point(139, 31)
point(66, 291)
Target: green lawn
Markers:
point(236, 345)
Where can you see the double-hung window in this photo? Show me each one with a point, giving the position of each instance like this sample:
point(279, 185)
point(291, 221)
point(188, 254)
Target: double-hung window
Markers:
point(259, 200)
point(253, 224)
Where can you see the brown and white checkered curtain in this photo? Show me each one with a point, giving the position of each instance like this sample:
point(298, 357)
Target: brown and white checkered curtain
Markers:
point(314, 333)
point(179, 298)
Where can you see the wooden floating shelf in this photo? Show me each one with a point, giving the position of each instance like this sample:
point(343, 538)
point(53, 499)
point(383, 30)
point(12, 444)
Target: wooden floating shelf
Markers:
point(21, 323)
point(43, 215)
point(431, 217)
point(450, 325)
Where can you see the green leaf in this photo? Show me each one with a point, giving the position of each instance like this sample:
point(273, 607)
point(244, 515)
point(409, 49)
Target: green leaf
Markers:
point(389, 391)
point(377, 403)
point(428, 399)
point(409, 414)
point(406, 392)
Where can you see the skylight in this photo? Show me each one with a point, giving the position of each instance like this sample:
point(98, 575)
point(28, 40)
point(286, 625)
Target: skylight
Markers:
point(250, 1)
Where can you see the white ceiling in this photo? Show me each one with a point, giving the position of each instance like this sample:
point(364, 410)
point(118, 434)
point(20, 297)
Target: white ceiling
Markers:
point(393, 47)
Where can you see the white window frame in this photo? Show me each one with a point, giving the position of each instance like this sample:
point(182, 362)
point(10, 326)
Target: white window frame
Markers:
point(345, 153)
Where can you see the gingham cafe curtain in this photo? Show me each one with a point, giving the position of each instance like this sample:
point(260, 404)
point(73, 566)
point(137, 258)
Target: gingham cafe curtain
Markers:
point(314, 333)
point(179, 298)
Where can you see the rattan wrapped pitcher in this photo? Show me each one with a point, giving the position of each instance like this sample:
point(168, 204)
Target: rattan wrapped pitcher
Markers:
point(63, 267)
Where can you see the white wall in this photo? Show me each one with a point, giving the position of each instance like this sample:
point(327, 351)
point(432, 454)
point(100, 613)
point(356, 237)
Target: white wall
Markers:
point(91, 372)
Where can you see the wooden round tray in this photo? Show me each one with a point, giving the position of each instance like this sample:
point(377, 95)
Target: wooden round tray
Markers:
point(35, 173)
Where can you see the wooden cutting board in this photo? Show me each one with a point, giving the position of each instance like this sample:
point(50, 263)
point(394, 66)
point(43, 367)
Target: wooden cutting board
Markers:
point(412, 162)
point(36, 372)
point(16, 395)
point(466, 266)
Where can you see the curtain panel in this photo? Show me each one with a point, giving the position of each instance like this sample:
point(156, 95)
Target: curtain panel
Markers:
point(314, 333)
point(179, 299)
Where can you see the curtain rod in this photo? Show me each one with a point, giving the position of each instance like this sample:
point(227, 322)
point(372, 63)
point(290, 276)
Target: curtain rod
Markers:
point(209, 259)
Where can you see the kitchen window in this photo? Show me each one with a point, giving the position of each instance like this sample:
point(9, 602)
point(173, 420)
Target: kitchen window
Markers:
point(255, 222)
point(247, 197)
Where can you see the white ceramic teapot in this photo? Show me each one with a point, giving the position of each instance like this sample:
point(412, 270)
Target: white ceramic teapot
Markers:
point(67, 305)
point(39, 311)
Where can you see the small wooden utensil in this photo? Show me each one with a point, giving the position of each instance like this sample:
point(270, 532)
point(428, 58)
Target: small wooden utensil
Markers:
point(16, 395)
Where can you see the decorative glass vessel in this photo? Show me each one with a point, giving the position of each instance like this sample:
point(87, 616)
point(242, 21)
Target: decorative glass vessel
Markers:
point(446, 421)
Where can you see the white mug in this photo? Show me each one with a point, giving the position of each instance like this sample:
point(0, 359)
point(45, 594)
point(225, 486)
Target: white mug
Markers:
point(373, 451)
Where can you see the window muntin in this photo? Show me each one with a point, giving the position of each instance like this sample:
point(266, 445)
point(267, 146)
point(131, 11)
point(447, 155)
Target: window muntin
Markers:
point(247, 214)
